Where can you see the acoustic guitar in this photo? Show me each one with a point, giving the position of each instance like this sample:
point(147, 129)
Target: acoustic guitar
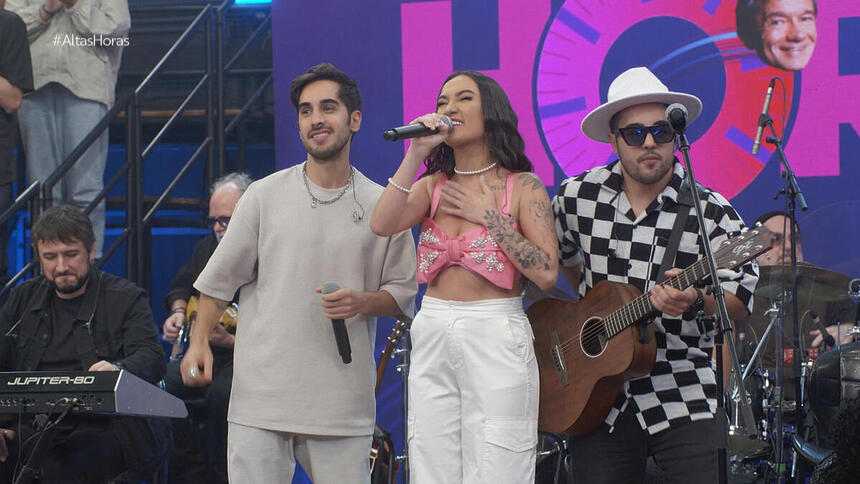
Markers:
point(587, 349)
point(228, 320)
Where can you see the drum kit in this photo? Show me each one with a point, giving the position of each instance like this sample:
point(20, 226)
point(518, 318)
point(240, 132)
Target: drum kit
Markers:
point(767, 349)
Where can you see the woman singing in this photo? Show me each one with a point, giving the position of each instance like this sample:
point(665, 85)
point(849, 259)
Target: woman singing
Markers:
point(487, 223)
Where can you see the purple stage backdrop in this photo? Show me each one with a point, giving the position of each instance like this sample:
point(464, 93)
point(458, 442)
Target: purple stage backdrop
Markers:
point(556, 59)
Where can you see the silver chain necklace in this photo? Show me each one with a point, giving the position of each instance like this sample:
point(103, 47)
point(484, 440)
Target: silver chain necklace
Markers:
point(475, 172)
point(316, 201)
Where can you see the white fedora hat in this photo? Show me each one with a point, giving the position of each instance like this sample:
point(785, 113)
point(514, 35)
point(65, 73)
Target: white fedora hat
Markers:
point(632, 87)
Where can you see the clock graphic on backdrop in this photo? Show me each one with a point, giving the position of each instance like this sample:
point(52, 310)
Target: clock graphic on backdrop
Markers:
point(585, 45)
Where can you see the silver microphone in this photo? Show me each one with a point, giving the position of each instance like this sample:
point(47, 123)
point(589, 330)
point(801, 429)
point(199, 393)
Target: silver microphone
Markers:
point(761, 122)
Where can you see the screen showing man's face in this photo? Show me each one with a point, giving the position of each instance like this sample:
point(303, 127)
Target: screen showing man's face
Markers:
point(788, 33)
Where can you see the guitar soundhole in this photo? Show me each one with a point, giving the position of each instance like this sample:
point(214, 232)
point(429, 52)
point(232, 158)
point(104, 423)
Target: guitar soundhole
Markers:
point(593, 337)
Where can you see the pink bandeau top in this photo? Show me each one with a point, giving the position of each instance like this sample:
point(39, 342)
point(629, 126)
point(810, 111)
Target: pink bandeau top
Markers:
point(474, 249)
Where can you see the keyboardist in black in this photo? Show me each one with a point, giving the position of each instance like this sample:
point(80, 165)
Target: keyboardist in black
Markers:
point(76, 317)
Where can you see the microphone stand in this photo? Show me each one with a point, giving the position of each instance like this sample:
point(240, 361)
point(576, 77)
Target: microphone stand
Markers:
point(724, 325)
point(793, 197)
point(405, 353)
point(855, 297)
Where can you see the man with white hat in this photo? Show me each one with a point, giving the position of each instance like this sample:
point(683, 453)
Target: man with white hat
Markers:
point(615, 222)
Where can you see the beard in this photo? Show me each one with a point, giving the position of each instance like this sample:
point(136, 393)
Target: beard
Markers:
point(648, 177)
point(330, 153)
point(72, 287)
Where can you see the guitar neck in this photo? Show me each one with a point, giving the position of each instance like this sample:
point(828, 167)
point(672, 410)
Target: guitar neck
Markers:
point(641, 307)
point(181, 342)
point(393, 340)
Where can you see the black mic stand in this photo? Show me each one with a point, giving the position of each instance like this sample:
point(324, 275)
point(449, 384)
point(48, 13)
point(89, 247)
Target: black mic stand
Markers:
point(405, 353)
point(724, 325)
point(855, 297)
point(793, 197)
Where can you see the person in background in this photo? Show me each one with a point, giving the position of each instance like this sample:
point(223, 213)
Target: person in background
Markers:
point(16, 79)
point(780, 253)
point(76, 47)
point(75, 317)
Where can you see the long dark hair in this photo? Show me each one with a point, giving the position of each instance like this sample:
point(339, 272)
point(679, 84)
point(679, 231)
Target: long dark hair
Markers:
point(500, 130)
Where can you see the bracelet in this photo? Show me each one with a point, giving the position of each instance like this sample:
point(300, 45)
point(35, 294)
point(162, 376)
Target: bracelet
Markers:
point(402, 189)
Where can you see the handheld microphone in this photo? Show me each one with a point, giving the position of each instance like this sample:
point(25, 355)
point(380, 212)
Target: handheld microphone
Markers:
point(762, 120)
point(827, 337)
point(676, 114)
point(415, 130)
point(341, 337)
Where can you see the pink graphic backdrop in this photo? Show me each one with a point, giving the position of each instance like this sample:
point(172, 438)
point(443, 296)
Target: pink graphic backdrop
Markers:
point(724, 162)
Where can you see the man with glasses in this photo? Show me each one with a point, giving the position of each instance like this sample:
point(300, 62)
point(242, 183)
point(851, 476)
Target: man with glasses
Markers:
point(187, 459)
point(780, 253)
point(843, 311)
point(614, 223)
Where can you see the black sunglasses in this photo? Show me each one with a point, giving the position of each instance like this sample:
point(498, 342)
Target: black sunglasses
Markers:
point(222, 221)
point(635, 135)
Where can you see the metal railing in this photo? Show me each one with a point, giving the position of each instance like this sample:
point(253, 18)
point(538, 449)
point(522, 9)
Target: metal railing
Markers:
point(136, 233)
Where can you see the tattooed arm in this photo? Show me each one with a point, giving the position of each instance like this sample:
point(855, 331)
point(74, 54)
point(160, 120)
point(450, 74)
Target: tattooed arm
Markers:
point(535, 251)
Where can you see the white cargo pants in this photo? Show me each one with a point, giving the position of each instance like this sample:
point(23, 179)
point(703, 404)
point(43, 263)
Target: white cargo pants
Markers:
point(473, 393)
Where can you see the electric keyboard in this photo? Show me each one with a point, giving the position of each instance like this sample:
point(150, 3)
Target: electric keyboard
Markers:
point(87, 392)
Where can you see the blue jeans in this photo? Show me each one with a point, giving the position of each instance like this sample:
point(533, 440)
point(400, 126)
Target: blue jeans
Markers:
point(53, 121)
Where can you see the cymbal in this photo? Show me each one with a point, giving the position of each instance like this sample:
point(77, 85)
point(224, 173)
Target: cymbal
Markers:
point(819, 290)
point(813, 282)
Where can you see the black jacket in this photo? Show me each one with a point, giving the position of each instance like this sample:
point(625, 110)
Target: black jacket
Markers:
point(114, 324)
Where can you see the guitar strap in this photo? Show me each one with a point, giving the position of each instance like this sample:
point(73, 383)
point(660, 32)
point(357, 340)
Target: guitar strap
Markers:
point(685, 203)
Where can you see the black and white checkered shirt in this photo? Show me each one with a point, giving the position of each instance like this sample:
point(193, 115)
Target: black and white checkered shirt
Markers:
point(596, 226)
